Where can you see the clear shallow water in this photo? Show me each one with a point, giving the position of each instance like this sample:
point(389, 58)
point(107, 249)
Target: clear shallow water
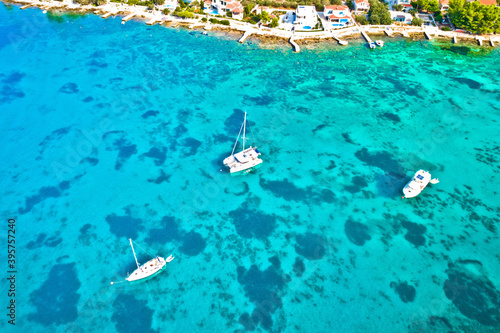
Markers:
point(113, 131)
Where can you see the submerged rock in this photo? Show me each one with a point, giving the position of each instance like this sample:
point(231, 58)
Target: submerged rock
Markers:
point(356, 232)
point(472, 293)
point(406, 292)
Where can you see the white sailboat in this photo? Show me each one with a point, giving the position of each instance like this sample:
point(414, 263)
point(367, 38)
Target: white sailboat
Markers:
point(417, 184)
point(150, 268)
point(245, 159)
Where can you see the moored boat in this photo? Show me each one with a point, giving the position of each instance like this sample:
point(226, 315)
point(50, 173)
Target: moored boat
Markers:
point(380, 43)
point(149, 269)
point(245, 159)
point(417, 184)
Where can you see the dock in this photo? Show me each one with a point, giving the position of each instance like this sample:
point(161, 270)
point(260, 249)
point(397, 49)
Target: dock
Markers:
point(296, 47)
point(388, 32)
point(26, 6)
point(341, 42)
point(245, 35)
point(128, 17)
point(365, 35)
point(455, 40)
point(153, 21)
point(480, 40)
point(105, 16)
point(427, 35)
point(492, 43)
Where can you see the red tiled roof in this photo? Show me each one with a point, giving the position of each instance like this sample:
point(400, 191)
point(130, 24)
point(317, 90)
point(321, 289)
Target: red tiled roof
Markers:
point(237, 11)
point(488, 2)
point(335, 7)
point(407, 5)
point(232, 5)
point(339, 17)
point(444, 2)
point(360, 1)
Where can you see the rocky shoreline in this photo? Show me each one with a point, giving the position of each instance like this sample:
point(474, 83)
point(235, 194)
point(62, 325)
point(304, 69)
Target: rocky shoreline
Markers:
point(266, 35)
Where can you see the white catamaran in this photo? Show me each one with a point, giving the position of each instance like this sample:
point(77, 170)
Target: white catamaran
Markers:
point(245, 159)
point(150, 268)
point(421, 179)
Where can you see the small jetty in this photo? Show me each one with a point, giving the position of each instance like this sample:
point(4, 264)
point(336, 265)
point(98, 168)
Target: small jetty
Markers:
point(153, 21)
point(105, 16)
point(388, 32)
point(455, 39)
point(427, 35)
point(480, 40)
point(245, 35)
point(26, 6)
point(341, 42)
point(128, 17)
point(492, 43)
point(296, 47)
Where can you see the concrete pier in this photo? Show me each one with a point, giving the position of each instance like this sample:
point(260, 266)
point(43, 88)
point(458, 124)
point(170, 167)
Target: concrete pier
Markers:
point(480, 40)
point(427, 35)
point(492, 43)
point(128, 17)
point(245, 35)
point(455, 40)
point(341, 42)
point(153, 21)
point(296, 47)
point(26, 6)
point(105, 16)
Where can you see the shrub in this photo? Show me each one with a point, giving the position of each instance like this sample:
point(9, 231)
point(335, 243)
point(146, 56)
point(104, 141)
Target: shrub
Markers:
point(165, 11)
point(204, 19)
point(446, 28)
point(417, 21)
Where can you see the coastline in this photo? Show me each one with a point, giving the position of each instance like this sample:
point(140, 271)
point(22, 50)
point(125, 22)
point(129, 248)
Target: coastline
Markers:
point(265, 34)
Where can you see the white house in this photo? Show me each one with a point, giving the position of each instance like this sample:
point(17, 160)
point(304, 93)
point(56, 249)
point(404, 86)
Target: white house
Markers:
point(401, 17)
point(225, 6)
point(406, 4)
point(338, 16)
point(306, 17)
point(361, 6)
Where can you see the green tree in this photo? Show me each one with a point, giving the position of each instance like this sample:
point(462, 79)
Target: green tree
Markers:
point(274, 23)
point(264, 16)
point(398, 7)
point(432, 6)
point(336, 2)
point(379, 14)
point(417, 21)
point(361, 19)
point(165, 11)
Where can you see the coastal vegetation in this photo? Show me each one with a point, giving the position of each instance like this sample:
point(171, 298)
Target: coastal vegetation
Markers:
point(474, 16)
point(291, 4)
point(426, 5)
point(379, 13)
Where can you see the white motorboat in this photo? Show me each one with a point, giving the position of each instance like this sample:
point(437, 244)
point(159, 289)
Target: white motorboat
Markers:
point(372, 45)
point(421, 179)
point(380, 43)
point(245, 159)
point(149, 269)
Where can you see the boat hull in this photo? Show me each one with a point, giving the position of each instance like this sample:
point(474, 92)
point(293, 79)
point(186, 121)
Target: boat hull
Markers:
point(149, 269)
point(243, 160)
point(415, 186)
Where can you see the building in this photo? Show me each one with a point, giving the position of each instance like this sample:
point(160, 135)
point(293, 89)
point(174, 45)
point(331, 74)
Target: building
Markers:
point(225, 6)
point(401, 17)
point(444, 5)
point(488, 2)
point(406, 4)
point(338, 16)
point(361, 6)
point(306, 17)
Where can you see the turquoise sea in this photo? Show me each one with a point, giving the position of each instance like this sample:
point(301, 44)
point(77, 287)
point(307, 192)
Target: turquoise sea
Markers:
point(112, 131)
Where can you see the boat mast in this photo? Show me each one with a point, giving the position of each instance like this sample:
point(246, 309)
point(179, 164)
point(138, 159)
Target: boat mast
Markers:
point(244, 129)
point(130, 239)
